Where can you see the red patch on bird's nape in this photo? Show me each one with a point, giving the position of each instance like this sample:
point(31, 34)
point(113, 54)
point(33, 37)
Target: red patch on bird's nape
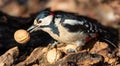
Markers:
point(51, 13)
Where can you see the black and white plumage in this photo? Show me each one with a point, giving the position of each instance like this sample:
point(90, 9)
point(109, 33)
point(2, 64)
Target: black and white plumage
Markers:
point(68, 27)
point(72, 21)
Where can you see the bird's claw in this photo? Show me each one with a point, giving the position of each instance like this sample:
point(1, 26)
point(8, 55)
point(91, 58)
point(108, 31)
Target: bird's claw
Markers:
point(71, 50)
point(54, 43)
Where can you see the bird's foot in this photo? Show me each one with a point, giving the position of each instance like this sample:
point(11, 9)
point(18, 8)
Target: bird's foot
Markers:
point(70, 50)
point(54, 43)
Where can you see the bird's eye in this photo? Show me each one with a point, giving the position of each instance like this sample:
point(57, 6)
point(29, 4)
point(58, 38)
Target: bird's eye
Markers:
point(39, 21)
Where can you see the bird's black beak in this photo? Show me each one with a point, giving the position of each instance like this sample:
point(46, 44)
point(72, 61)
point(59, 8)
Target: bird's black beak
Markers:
point(32, 28)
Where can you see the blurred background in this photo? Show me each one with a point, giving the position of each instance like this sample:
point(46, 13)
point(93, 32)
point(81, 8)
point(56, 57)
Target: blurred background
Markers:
point(106, 11)
point(20, 14)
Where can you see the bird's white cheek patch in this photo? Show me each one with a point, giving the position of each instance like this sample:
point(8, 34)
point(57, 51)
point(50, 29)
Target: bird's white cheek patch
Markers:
point(47, 20)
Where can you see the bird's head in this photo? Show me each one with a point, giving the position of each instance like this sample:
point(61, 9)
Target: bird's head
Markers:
point(42, 21)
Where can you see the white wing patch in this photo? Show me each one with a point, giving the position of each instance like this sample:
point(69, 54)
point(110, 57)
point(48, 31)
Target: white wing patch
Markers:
point(73, 22)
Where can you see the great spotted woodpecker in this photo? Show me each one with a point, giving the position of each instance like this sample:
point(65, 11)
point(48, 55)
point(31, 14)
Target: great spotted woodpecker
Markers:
point(68, 27)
